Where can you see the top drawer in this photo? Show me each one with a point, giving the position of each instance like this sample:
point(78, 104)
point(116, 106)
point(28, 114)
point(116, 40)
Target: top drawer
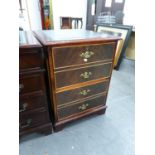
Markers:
point(81, 54)
point(30, 59)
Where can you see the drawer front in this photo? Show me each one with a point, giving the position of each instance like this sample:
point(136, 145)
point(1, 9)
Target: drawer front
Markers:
point(65, 78)
point(31, 83)
point(33, 119)
point(32, 59)
point(30, 102)
point(81, 107)
point(74, 55)
point(81, 93)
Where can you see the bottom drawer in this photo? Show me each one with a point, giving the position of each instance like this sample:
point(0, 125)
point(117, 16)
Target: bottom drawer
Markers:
point(81, 107)
point(33, 119)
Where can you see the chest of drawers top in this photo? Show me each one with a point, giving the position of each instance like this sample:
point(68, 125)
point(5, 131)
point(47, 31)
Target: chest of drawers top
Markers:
point(70, 37)
point(30, 52)
point(27, 40)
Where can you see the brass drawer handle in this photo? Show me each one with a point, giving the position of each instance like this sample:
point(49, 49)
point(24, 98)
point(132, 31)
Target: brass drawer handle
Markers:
point(84, 92)
point(24, 106)
point(21, 86)
point(83, 106)
point(87, 54)
point(28, 123)
point(86, 75)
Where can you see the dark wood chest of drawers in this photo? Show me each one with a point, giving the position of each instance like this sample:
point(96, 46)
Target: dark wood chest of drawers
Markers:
point(33, 108)
point(79, 66)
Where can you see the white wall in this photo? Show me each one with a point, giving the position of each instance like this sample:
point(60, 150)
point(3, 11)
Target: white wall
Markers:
point(129, 13)
point(23, 17)
point(32, 17)
point(71, 8)
point(34, 13)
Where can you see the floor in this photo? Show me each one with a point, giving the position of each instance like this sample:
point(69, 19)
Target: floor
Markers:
point(109, 134)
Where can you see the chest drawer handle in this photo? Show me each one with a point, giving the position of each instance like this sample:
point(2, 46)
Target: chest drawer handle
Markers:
point(86, 55)
point(24, 106)
point(83, 106)
point(84, 92)
point(28, 123)
point(86, 75)
point(21, 86)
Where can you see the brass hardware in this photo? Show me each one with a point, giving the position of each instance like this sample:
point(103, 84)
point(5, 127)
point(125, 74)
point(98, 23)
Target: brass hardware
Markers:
point(28, 123)
point(86, 75)
point(85, 60)
point(83, 106)
point(84, 92)
point(87, 54)
point(21, 86)
point(23, 107)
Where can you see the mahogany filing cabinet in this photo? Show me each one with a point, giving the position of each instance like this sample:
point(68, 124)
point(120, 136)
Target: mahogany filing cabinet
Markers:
point(33, 107)
point(80, 65)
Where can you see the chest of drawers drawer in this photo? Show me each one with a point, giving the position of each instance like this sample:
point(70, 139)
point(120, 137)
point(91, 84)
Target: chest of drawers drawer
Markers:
point(76, 94)
point(31, 82)
point(84, 74)
point(30, 59)
point(32, 119)
point(77, 55)
point(81, 106)
point(31, 101)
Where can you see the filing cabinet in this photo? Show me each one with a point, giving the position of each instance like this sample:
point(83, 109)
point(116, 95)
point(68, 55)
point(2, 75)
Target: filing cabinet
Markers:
point(79, 66)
